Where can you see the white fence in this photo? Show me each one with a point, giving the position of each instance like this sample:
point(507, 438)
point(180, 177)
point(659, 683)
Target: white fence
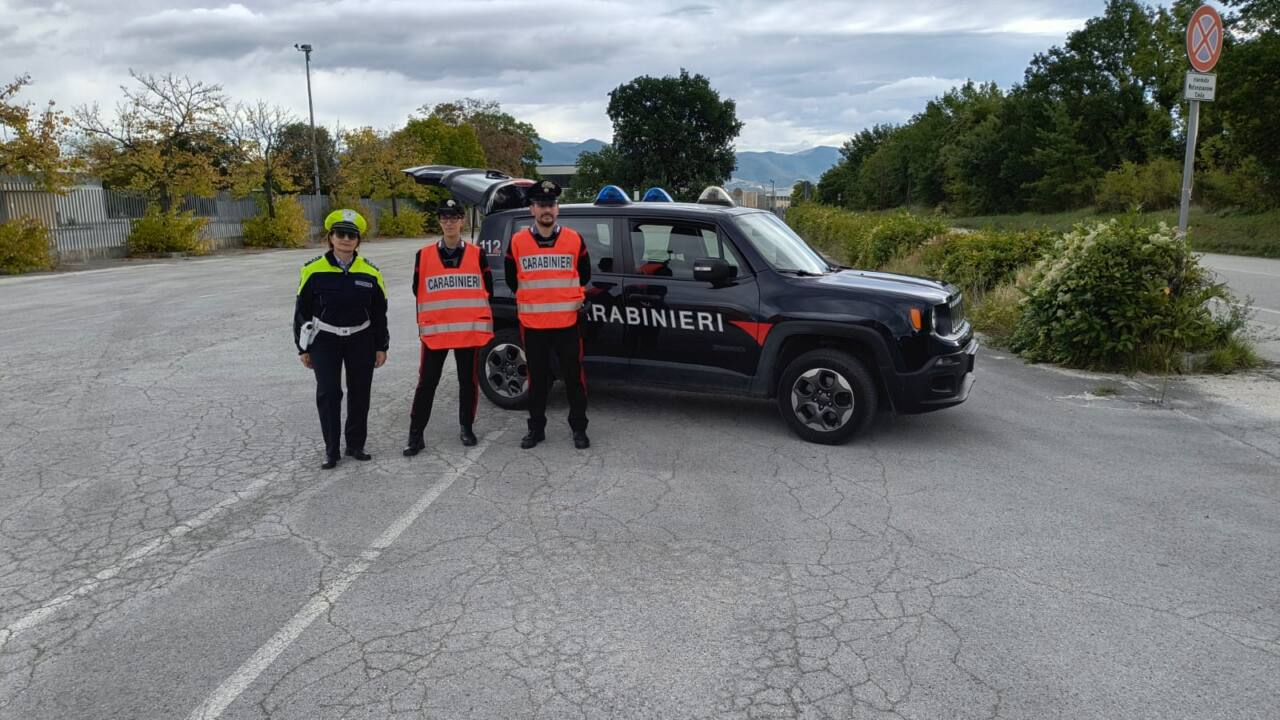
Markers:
point(93, 222)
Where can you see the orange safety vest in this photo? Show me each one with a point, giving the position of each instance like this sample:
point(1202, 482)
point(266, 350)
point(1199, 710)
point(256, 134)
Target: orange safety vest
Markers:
point(548, 290)
point(453, 306)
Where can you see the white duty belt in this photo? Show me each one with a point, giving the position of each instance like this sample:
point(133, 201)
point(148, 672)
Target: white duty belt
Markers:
point(312, 327)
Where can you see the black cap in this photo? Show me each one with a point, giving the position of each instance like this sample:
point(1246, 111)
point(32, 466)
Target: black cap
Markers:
point(543, 191)
point(450, 208)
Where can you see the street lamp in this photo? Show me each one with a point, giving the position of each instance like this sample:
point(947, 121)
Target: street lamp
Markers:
point(315, 151)
point(772, 197)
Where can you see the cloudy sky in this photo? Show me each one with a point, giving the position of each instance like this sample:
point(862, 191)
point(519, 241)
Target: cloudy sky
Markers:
point(803, 73)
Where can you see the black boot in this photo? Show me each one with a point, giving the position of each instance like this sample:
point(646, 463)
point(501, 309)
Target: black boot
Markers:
point(415, 445)
point(580, 439)
point(359, 454)
point(467, 437)
point(532, 438)
point(330, 461)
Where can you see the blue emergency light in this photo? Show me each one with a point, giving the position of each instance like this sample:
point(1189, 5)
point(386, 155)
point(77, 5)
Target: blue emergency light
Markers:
point(611, 195)
point(656, 194)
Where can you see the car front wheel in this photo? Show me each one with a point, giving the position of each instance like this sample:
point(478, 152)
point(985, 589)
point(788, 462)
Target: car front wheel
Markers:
point(827, 396)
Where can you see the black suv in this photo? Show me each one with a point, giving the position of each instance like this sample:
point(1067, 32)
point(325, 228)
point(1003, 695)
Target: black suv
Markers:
point(711, 297)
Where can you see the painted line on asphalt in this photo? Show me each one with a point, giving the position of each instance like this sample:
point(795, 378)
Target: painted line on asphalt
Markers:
point(49, 607)
point(1255, 307)
point(1246, 272)
point(327, 597)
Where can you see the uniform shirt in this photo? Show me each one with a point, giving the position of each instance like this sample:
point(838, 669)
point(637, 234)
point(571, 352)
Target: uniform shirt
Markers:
point(344, 297)
point(451, 259)
point(509, 262)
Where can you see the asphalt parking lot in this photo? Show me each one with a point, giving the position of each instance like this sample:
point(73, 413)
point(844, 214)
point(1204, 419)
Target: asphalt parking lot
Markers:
point(1058, 546)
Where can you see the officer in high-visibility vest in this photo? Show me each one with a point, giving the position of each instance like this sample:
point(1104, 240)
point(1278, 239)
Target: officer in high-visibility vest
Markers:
point(546, 267)
point(340, 320)
point(453, 286)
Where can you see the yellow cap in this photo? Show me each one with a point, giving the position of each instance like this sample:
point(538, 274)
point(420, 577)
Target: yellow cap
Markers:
point(350, 219)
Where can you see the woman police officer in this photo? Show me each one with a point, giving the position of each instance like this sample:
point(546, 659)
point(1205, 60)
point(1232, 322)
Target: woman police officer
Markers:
point(340, 319)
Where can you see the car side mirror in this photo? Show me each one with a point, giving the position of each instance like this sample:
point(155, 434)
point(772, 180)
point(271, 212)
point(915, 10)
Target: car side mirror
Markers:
point(713, 270)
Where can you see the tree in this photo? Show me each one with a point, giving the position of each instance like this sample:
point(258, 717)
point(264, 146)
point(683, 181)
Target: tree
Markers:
point(167, 138)
point(371, 166)
point(256, 131)
point(674, 132)
point(32, 145)
point(424, 141)
point(295, 156)
point(595, 170)
point(509, 145)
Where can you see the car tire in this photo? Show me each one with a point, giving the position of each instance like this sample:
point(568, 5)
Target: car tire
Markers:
point(504, 371)
point(827, 396)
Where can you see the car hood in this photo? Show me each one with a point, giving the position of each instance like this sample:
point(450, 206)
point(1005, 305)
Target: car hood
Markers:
point(908, 286)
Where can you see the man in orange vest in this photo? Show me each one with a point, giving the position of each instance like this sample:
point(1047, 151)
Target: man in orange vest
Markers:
point(547, 267)
point(453, 286)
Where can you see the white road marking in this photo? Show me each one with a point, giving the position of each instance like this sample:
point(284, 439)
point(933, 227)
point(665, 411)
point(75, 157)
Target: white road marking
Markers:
point(49, 607)
point(324, 600)
point(1246, 272)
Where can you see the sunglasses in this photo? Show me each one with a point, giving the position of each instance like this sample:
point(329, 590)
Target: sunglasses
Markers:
point(450, 218)
point(344, 235)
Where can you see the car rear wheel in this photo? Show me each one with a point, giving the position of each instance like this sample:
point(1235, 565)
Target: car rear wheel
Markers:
point(504, 371)
point(827, 396)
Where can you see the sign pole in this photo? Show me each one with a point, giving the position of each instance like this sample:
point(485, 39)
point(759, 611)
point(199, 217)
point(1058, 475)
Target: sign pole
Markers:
point(1188, 166)
point(1204, 46)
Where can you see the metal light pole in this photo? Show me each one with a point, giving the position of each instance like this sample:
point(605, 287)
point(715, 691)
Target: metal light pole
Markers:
point(773, 194)
point(315, 150)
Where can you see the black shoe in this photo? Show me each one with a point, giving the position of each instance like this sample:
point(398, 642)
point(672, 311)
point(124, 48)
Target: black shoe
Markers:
point(467, 437)
point(416, 444)
point(359, 454)
point(330, 462)
point(580, 439)
point(533, 438)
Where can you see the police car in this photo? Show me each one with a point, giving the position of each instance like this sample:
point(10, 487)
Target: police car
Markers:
point(711, 297)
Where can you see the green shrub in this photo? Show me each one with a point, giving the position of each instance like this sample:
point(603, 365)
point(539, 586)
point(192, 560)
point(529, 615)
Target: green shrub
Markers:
point(898, 233)
point(1119, 295)
point(166, 232)
point(862, 239)
point(995, 313)
point(1234, 354)
point(288, 229)
point(406, 223)
point(1243, 188)
point(983, 259)
point(1156, 185)
point(25, 246)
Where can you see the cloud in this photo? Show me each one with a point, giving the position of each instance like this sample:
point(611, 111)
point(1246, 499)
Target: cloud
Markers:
point(803, 72)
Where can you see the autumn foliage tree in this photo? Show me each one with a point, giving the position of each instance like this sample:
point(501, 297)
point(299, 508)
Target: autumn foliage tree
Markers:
point(32, 140)
point(167, 138)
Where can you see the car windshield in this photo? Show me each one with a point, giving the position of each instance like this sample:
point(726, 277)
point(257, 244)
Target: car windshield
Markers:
point(778, 244)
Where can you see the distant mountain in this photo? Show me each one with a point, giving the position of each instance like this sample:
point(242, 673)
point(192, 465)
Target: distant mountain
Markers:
point(754, 169)
point(566, 153)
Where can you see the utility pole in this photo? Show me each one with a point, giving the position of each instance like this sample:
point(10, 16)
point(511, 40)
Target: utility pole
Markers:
point(772, 198)
point(315, 150)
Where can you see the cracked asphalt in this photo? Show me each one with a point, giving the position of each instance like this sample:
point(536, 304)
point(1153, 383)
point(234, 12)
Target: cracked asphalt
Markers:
point(169, 547)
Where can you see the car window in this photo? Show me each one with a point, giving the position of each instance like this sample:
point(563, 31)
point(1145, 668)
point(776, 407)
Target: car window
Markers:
point(597, 235)
point(664, 248)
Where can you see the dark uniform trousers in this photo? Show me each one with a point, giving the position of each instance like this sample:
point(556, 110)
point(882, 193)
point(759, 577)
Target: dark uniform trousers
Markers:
point(430, 366)
point(329, 354)
point(566, 343)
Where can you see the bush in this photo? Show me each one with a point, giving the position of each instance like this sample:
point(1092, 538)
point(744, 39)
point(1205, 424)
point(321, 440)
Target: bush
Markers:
point(1156, 185)
point(862, 239)
point(166, 232)
point(895, 234)
point(288, 229)
point(406, 223)
point(981, 260)
point(1244, 188)
point(25, 246)
point(1118, 295)
point(995, 313)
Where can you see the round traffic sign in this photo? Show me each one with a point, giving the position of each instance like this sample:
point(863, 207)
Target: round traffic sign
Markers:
point(1204, 38)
